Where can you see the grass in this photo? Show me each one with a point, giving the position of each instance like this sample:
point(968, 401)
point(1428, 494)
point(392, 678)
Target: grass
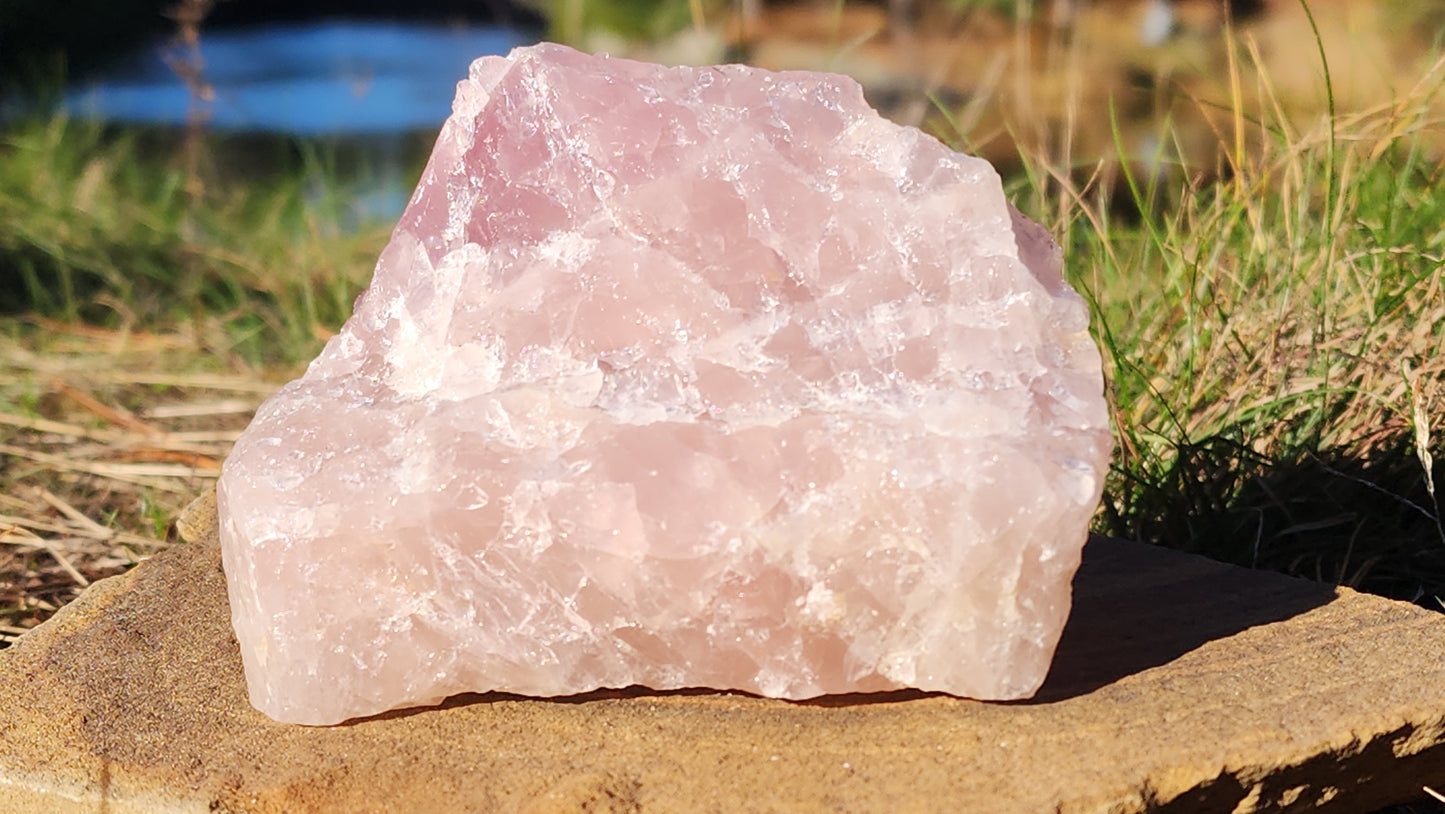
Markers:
point(1272, 338)
point(98, 228)
point(1275, 347)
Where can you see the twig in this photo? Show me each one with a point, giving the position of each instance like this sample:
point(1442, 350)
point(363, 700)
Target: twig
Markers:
point(110, 414)
point(66, 565)
point(147, 475)
point(9, 524)
point(30, 540)
point(74, 514)
point(207, 382)
point(183, 442)
point(195, 409)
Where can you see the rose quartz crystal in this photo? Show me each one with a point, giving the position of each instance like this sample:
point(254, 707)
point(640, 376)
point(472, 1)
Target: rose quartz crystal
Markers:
point(675, 377)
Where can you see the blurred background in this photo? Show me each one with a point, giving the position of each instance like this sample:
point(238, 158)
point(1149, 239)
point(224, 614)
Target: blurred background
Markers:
point(365, 83)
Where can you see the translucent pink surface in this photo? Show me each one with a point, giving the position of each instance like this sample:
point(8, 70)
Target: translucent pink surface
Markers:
point(675, 377)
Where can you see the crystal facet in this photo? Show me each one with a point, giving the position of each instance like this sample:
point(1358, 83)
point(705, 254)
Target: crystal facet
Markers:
point(675, 377)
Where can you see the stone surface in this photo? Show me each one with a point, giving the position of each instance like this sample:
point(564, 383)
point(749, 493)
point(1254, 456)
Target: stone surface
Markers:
point(675, 377)
point(1180, 685)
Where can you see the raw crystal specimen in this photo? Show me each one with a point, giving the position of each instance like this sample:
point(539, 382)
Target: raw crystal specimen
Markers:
point(675, 377)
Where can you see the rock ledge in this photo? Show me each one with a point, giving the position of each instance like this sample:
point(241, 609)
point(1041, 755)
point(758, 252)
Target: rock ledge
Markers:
point(1180, 685)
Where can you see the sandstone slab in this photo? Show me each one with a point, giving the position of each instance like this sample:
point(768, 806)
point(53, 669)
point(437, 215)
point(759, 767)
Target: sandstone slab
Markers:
point(1180, 684)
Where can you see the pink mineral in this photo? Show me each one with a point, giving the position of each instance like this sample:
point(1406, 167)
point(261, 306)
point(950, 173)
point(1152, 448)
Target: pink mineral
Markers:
point(675, 377)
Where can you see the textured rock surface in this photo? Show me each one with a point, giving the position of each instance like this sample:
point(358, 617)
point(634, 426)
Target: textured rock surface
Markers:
point(675, 377)
point(1180, 685)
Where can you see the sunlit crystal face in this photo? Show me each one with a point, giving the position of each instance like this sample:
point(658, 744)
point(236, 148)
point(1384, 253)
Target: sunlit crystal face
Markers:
point(675, 377)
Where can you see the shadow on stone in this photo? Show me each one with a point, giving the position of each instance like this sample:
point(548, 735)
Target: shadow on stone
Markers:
point(605, 694)
point(1138, 606)
point(637, 691)
point(1348, 772)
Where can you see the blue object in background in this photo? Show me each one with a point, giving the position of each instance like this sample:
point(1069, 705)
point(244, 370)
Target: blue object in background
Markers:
point(368, 83)
point(325, 78)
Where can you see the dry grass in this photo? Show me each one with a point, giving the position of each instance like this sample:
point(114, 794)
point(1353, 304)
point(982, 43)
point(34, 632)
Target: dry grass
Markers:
point(1274, 341)
point(104, 436)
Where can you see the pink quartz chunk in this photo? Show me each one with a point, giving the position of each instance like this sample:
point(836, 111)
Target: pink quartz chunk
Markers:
point(675, 377)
